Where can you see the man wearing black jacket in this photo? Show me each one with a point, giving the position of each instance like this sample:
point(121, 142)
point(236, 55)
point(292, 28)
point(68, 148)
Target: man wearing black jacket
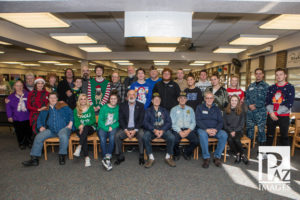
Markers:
point(64, 87)
point(131, 118)
point(167, 89)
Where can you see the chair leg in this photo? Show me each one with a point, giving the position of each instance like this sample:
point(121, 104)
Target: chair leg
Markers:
point(45, 150)
point(123, 147)
point(275, 137)
point(225, 151)
point(249, 148)
point(197, 155)
point(254, 137)
point(145, 155)
point(293, 145)
point(70, 150)
point(95, 150)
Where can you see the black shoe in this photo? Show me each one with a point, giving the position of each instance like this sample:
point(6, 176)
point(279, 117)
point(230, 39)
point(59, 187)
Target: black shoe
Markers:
point(238, 159)
point(119, 161)
point(141, 161)
point(34, 161)
point(22, 146)
point(245, 159)
point(30, 146)
point(62, 159)
point(205, 163)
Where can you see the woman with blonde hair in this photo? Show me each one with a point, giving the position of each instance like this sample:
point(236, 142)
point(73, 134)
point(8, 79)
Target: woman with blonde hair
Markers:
point(85, 124)
point(234, 121)
point(234, 88)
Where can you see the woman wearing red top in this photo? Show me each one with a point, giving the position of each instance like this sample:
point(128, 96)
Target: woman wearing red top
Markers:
point(37, 101)
point(234, 88)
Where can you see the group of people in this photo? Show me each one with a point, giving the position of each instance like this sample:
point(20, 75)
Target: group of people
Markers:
point(147, 109)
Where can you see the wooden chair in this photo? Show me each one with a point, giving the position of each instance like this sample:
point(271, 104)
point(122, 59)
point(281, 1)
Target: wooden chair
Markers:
point(246, 142)
point(296, 136)
point(214, 142)
point(291, 128)
point(91, 139)
point(157, 142)
point(50, 142)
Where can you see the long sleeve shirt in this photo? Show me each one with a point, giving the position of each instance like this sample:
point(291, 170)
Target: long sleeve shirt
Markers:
point(209, 117)
point(183, 118)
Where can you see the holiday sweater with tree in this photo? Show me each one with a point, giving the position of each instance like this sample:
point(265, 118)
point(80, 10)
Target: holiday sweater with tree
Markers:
point(98, 92)
point(280, 99)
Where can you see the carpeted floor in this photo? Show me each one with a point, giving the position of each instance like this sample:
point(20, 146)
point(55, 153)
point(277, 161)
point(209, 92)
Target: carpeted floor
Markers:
point(131, 181)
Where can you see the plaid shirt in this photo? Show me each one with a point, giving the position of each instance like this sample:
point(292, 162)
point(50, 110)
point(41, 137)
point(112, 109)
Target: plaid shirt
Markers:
point(121, 90)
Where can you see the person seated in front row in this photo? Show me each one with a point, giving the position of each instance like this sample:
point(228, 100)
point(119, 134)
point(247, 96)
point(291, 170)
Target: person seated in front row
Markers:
point(131, 117)
point(234, 121)
point(183, 125)
point(157, 124)
point(85, 124)
point(55, 121)
point(210, 122)
point(108, 124)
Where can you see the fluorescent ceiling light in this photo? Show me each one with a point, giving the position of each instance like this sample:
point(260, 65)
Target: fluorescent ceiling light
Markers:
point(92, 64)
point(120, 61)
point(197, 64)
point(201, 62)
point(285, 21)
point(5, 43)
point(228, 50)
point(63, 64)
point(157, 62)
point(163, 40)
point(253, 39)
point(73, 38)
point(2, 52)
point(48, 62)
point(186, 69)
point(12, 63)
point(30, 64)
point(96, 48)
point(35, 20)
point(161, 61)
point(35, 50)
point(125, 63)
point(162, 49)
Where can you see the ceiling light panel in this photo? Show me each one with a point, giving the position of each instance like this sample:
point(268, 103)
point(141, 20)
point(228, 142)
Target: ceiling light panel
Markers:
point(162, 49)
point(35, 50)
point(5, 43)
point(35, 20)
point(48, 62)
point(253, 39)
point(228, 50)
point(73, 38)
point(285, 21)
point(95, 48)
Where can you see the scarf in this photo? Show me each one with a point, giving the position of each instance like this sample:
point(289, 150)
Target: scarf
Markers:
point(21, 104)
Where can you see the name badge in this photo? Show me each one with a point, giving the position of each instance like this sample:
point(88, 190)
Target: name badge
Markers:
point(205, 112)
point(178, 111)
point(251, 88)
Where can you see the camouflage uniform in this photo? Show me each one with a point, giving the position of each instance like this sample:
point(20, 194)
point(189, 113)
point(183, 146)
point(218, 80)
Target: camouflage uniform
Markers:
point(256, 94)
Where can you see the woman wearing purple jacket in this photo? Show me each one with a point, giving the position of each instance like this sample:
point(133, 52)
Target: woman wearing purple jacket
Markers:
point(17, 113)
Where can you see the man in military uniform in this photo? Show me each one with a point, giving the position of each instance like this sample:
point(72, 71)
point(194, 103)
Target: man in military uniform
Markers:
point(255, 101)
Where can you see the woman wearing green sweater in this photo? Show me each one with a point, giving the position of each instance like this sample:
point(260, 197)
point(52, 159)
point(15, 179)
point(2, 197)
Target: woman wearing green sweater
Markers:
point(85, 124)
point(108, 124)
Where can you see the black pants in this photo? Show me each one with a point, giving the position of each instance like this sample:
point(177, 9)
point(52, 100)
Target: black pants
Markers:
point(192, 137)
point(283, 122)
point(235, 143)
point(87, 130)
point(23, 132)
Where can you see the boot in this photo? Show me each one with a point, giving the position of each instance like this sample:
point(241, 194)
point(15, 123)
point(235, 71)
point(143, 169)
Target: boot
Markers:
point(238, 159)
point(34, 161)
point(62, 159)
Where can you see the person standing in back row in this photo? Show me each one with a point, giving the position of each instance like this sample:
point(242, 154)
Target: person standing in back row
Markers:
point(194, 94)
point(180, 80)
point(98, 89)
point(255, 100)
point(280, 99)
point(64, 87)
point(167, 89)
point(203, 83)
point(131, 78)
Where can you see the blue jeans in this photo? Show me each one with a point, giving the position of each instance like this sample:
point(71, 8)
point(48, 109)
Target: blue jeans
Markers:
point(168, 136)
point(103, 135)
point(203, 137)
point(39, 139)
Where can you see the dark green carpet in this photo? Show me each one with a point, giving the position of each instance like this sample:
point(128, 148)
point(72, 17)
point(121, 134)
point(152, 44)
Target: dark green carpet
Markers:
point(129, 180)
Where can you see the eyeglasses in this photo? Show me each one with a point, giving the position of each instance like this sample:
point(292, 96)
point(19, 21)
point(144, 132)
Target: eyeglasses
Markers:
point(209, 97)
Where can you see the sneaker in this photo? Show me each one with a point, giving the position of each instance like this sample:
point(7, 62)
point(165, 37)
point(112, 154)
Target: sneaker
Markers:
point(87, 162)
point(149, 163)
point(77, 151)
point(106, 163)
point(170, 162)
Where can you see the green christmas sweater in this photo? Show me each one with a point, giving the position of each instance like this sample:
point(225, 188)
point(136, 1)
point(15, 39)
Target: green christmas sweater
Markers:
point(98, 92)
point(87, 118)
point(108, 117)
